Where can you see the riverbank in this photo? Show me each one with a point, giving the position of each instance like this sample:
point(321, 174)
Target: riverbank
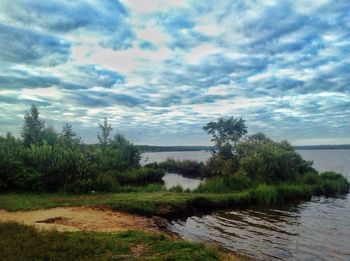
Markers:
point(180, 204)
point(23, 242)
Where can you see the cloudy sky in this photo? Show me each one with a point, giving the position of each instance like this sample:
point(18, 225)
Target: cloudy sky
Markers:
point(159, 70)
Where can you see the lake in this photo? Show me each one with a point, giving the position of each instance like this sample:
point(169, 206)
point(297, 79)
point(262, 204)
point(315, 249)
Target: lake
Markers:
point(313, 230)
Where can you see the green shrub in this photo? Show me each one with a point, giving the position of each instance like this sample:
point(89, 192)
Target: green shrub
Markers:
point(265, 194)
point(188, 168)
point(224, 184)
point(105, 183)
point(271, 162)
point(140, 176)
point(311, 178)
point(330, 175)
point(295, 191)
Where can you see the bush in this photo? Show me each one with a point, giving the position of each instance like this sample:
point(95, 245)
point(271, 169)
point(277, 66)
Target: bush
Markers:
point(294, 191)
point(224, 184)
point(265, 194)
point(140, 176)
point(271, 162)
point(188, 168)
point(311, 178)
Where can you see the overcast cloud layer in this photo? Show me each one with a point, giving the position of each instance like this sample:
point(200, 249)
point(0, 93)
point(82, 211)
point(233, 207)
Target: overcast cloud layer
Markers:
point(159, 70)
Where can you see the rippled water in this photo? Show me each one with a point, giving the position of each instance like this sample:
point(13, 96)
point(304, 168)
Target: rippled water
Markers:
point(314, 230)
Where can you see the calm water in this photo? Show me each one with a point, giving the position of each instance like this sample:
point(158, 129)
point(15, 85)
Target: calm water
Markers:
point(173, 179)
point(315, 230)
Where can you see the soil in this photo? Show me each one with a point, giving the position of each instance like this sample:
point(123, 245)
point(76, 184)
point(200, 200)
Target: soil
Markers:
point(82, 219)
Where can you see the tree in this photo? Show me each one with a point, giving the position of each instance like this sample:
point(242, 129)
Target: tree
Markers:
point(106, 129)
point(33, 126)
point(226, 133)
point(119, 139)
point(68, 136)
point(50, 135)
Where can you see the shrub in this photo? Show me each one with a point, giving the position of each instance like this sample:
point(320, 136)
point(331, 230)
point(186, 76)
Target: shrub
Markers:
point(272, 162)
point(224, 184)
point(311, 178)
point(189, 168)
point(140, 176)
point(294, 191)
point(265, 194)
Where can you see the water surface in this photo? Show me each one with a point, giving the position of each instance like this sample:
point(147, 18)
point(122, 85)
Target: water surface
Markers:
point(173, 179)
point(314, 230)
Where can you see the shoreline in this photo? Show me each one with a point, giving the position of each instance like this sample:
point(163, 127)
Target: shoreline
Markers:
point(100, 219)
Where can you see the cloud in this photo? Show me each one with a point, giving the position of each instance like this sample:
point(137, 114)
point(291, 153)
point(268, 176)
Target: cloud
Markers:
point(22, 46)
point(161, 69)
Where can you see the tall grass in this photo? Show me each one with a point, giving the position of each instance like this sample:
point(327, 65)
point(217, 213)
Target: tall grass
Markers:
point(224, 184)
point(265, 194)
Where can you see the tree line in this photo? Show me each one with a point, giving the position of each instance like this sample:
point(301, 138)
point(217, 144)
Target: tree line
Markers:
point(44, 160)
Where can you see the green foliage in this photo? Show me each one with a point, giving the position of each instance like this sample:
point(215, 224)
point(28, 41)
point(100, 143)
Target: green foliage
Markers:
point(333, 183)
point(311, 178)
point(50, 135)
point(271, 162)
point(226, 130)
point(140, 176)
point(294, 191)
point(188, 168)
point(46, 161)
point(21, 242)
point(224, 184)
point(265, 194)
point(11, 161)
point(226, 133)
point(33, 127)
point(103, 136)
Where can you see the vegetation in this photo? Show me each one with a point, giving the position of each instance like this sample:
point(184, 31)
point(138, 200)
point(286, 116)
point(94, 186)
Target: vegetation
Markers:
point(188, 168)
point(46, 161)
point(221, 192)
point(130, 245)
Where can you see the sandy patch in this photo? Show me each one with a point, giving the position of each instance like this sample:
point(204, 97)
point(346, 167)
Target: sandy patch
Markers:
point(80, 218)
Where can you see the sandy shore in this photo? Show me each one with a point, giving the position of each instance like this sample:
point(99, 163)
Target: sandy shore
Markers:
point(80, 219)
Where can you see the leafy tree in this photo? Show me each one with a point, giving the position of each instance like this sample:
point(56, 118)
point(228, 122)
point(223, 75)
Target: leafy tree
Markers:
point(119, 139)
point(50, 135)
point(32, 130)
point(106, 129)
point(226, 133)
point(68, 136)
point(269, 161)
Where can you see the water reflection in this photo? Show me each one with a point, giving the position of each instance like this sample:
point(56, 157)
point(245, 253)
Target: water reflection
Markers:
point(173, 179)
point(315, 230)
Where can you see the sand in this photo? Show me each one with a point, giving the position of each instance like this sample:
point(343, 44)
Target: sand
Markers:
point(80, 219)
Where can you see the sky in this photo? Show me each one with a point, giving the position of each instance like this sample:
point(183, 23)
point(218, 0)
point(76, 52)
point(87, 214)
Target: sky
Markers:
point(159, 70)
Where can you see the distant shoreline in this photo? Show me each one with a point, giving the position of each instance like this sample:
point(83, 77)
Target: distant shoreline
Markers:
point(150, 148)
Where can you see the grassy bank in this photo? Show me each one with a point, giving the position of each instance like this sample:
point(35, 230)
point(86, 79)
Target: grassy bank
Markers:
point(20, 242)
point(176, 204)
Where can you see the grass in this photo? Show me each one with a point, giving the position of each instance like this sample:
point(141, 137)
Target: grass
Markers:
point(225, 184)
point(155, 200)
point(21, 242)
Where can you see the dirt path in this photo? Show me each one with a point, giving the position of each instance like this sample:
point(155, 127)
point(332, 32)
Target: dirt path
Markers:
point(80, 218)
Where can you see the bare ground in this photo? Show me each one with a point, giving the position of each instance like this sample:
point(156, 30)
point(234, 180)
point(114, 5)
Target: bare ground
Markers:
point(81, 219)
